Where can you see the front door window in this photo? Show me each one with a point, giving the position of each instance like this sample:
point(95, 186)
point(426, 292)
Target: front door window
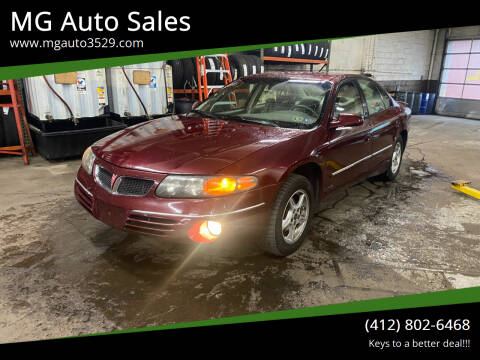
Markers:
point(348, 101)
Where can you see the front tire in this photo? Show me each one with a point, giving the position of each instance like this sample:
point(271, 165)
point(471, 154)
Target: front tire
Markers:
point(395, 161)
point(290, 218)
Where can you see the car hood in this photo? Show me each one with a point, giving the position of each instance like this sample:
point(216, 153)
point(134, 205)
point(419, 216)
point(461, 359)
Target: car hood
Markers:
point(188, 145)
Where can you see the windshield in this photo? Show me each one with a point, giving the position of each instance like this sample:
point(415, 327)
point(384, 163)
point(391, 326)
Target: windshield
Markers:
point(269, 101)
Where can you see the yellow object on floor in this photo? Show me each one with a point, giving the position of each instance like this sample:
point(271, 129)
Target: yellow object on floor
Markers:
point(461, 185)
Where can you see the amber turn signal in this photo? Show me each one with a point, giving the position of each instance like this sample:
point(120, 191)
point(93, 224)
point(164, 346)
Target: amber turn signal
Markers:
point(219, 186)
point(228, 185)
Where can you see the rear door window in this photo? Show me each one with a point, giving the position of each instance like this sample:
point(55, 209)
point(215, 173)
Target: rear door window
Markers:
point(386, 99)
point(373, 97)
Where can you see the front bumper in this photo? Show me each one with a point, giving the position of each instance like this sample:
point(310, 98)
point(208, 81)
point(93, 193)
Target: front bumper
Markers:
point(171, 218)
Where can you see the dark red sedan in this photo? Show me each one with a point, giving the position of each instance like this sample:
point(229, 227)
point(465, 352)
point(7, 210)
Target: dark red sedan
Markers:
point(259, 155)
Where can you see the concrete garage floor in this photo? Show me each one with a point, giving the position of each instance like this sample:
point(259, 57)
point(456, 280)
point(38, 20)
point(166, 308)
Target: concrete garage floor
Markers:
point(64, 273)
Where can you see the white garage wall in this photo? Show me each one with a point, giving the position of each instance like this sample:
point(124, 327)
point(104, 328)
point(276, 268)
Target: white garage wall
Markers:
point(396, 56)
point(346, 55)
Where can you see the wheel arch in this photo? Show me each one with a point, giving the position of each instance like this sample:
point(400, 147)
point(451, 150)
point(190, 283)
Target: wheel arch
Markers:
point(404, 135)
point(312, 171)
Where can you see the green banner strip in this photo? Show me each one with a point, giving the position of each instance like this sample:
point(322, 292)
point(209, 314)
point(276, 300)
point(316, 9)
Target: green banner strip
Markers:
point(22, 71)
point(447, 297)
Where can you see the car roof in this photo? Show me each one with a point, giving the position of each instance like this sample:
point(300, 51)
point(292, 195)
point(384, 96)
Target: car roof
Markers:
point(334, 78)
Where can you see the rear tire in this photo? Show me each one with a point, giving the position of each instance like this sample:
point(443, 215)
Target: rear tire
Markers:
point(395, 161)
point(290, 218)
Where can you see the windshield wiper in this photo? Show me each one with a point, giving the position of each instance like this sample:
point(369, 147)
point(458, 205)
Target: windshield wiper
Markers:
point(269, 122)
point(203, 113)
point(248, 119)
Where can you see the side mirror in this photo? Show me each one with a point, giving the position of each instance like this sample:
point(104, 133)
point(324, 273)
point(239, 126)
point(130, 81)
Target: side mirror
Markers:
point(195, 104)
point(346, 120)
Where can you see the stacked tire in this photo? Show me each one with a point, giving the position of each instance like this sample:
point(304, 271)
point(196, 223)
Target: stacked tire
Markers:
point(184, 71)
point(243, 65)
point(311, 51)
point(214, 78)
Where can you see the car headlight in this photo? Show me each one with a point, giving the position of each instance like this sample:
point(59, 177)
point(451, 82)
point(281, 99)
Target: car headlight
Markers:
point(181, 186)
point(87, 160)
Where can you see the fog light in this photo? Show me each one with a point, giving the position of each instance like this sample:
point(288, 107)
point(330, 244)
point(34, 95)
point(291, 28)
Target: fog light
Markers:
point(214, 227)
point(205, 231)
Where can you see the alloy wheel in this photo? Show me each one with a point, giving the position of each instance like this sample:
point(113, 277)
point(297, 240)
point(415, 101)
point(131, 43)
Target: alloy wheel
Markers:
point(295, 216)
point(396, 157)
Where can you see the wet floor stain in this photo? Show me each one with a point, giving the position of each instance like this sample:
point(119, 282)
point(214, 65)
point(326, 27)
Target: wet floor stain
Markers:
point(143, 282)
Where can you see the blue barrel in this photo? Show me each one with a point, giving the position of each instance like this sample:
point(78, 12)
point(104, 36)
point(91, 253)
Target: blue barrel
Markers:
point(430, 103)
point(423, 103)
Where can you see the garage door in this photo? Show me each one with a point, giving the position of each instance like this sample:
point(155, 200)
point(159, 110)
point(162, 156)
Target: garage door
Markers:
point(459, 92)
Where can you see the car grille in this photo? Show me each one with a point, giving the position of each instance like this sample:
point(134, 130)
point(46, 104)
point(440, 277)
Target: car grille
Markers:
point(134, 186)
point(150, 225)
point(104, 177)
point(124, 185)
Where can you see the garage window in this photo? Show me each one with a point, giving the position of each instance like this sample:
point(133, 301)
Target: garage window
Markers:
point(461, 70)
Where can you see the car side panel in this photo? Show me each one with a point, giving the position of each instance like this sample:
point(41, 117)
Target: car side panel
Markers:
point(384, 130)
point(346, 156)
